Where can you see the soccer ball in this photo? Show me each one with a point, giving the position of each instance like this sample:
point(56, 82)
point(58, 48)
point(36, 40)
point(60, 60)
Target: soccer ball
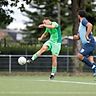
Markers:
point(22, 60)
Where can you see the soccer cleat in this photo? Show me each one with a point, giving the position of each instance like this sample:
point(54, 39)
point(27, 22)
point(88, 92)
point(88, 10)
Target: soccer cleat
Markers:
point(94, 71)
point(94, 74)
point(29, 61)
point(51, 77)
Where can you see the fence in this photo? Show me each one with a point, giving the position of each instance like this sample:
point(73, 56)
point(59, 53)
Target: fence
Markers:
point(10, 64)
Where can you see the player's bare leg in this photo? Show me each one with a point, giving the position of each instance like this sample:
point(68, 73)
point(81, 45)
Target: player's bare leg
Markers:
point(88, 61)
point(91, 59)
point(54, 66)
point(37, 54)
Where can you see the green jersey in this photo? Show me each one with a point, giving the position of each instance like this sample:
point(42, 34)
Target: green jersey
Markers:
point(55, 33)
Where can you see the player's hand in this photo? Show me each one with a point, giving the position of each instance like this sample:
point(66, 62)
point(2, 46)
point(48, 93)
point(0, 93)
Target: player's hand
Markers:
point(39, 39)
point(75, 37)
point(87, 38)
point(41, 26)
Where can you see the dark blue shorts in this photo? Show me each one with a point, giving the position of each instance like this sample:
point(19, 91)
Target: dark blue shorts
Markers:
point(87, 49)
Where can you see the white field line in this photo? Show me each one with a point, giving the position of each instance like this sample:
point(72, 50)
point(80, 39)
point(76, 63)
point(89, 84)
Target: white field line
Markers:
point(50, 93)
point(71, 82)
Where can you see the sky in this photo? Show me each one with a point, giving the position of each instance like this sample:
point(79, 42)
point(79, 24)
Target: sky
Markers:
point(19, 18)
point(18, 22)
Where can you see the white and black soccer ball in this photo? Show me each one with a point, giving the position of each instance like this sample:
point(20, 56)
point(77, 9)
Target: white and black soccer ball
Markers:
point(22, 60)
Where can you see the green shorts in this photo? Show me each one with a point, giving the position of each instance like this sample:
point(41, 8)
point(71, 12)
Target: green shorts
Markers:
point(54, 47)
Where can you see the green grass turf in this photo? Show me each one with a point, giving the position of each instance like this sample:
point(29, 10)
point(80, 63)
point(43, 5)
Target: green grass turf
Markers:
point(41, 86)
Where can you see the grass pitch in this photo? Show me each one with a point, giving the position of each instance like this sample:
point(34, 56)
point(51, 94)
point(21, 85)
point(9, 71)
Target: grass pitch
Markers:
point(40, 85)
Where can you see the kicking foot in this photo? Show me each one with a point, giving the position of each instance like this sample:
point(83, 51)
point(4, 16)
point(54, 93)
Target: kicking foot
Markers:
point(29, 61)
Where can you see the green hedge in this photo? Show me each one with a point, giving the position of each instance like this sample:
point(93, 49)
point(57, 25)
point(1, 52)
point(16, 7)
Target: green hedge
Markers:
point(28, 49)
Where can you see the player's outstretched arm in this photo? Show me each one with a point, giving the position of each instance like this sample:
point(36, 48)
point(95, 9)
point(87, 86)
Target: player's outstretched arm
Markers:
point(41, 26)
point(42, 36)
point(76, 37)
point(49, 26)
point(46, 25)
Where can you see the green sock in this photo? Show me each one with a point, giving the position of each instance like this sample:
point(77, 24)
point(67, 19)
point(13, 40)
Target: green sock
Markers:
point(34, 56)
point(54, 69)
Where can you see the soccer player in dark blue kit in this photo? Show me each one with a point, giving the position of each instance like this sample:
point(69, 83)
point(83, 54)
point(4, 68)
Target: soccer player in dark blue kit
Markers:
point(87, 40)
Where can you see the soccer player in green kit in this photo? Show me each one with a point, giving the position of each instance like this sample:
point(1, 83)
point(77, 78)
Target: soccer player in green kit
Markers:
point(53, 44)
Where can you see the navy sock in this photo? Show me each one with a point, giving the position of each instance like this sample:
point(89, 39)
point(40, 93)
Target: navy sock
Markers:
point(94, 63)
point(87, 62)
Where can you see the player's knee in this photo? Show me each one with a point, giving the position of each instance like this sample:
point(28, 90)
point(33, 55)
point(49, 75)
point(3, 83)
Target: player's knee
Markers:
point(54, 57)
point(79, 56)
point(43, 49)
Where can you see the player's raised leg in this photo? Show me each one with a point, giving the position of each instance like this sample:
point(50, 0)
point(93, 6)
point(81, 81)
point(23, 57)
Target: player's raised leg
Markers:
point(37, 54)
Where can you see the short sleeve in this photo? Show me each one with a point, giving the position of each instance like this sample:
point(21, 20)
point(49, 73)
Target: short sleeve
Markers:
point(84, 22)
point(55, 24)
